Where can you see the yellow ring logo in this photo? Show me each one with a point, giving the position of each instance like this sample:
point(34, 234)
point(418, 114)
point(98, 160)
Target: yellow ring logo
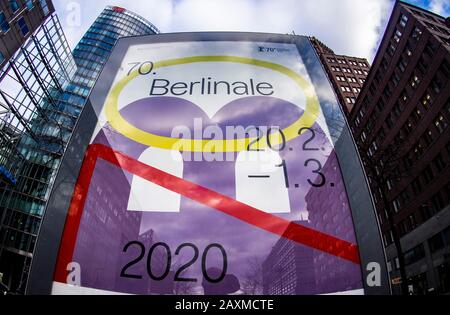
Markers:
point(120, 124)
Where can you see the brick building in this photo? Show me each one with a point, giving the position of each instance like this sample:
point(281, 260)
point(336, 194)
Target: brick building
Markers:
point(347, 74)
point(18, 20)
point(405, 106)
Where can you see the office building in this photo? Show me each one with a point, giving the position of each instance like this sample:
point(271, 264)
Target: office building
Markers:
point(19, 19)
point(289, 269)
point(400, 123)
point(346, 74)
point(328, 212)
point(43, 140)
point(94, 48)
point(31, 136)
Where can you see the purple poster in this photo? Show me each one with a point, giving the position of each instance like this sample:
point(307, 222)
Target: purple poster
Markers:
point(211, 171)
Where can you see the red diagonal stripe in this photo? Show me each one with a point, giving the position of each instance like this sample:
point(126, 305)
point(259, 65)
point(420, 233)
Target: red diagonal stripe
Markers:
point(265, 221)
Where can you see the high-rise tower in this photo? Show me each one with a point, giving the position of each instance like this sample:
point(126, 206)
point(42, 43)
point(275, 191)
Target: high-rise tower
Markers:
point(400, 123)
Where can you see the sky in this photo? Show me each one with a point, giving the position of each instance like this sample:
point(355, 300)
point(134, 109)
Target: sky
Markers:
point(349, 27)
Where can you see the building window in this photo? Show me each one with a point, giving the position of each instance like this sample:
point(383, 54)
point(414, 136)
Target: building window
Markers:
point(402, 64)
point(380, 104)
point(416, 186)
point(414, 81)
point(430, 49)
point(437, 204)
point(389, 184)
point(398, 109)
point(345, 89)
point(396, 261)
point(388, 239)
point(397, 35)
point(363, 136)
point(436, 243)
point(428, 138)
point(23, 26)
point(416, 115)
point(414, 255)
point(391, 49)
point(4, 25)
point(440, 123)
point(395, 79)
point(439, 163)
point(404, 96)
point(44, 7)
point(416, 33)
point(14, 5)
point(403, 20)
point(428, 175)
point(426, 100)
point(418, 150)
point(436, 85)
point(396, 205)
point(29, 4)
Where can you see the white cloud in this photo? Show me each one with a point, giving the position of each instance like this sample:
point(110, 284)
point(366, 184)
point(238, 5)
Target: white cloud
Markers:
point(351, 27)
point(441, 7)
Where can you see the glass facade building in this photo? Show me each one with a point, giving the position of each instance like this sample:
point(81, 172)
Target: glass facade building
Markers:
point(35, 150)
point(32, 132)
point(94, 48)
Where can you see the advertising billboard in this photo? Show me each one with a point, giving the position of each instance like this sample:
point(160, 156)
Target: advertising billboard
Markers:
point(212, 165)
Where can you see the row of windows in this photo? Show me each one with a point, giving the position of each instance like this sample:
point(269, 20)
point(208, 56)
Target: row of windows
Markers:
point(427, 139)
point(420, 183)
point(348, 70)
point(110, 34)
point(121, 26)
point(90, 58)
point(433, 22)
point(88, 64)
point(78, 90)
point(17, 239)
point(95, 43)
point(349, 79)
point(412, 42)
point(435, 87)
point(15, 6)
point(344, 62)
point(424, 15)
point(437, 29)
point(351, 100)
point(21, 24)
point(426, 211)
point(99, 37)
point(89, 52)
point(435, 243)
point(130, 18)
point(349, 89)
point(439, 241)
